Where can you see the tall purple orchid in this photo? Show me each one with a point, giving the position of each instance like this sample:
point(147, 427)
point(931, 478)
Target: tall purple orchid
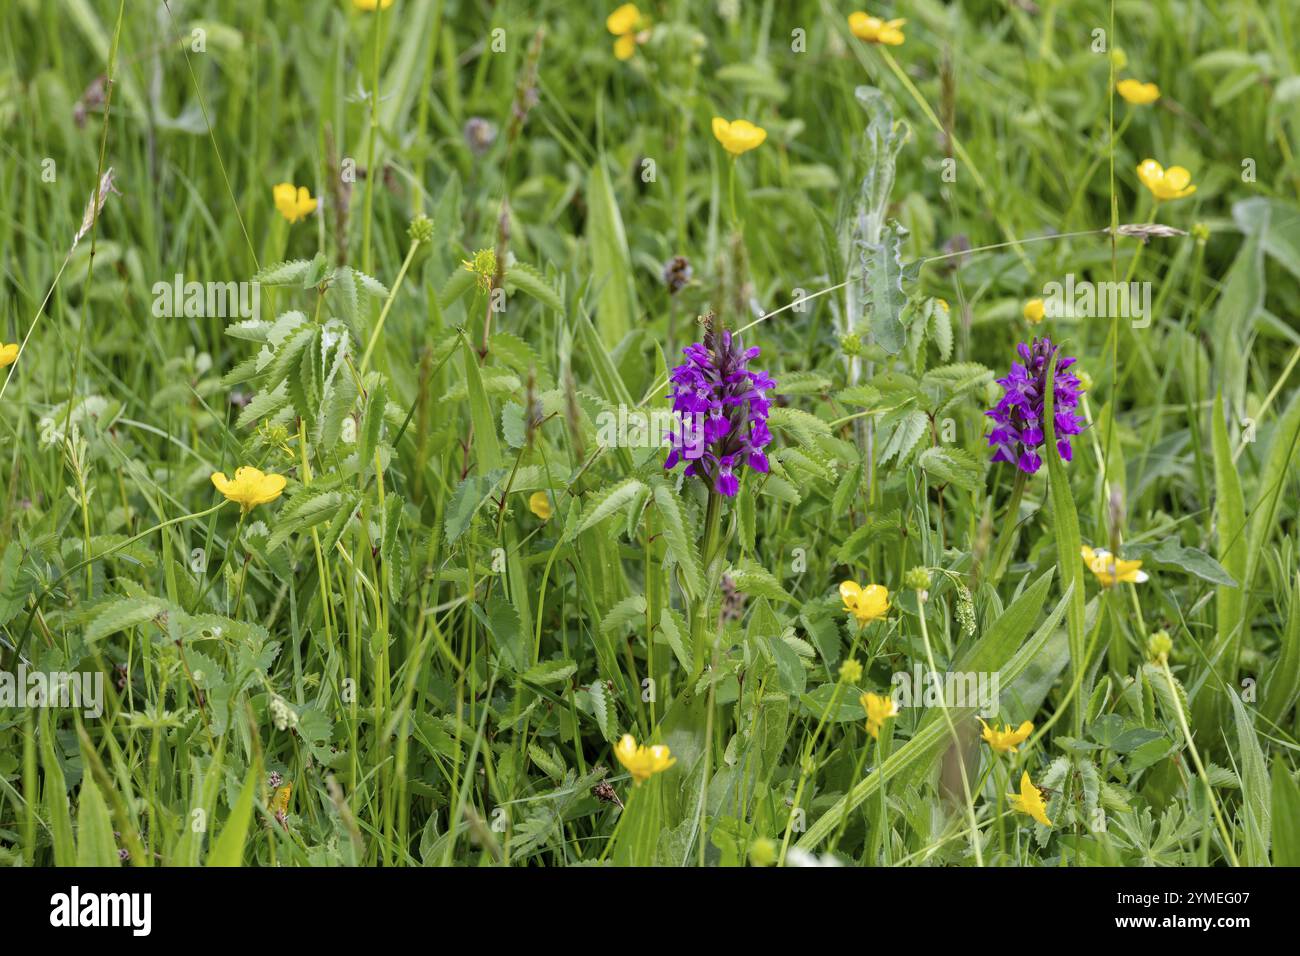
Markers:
point(1019, 414)
point(721, 407)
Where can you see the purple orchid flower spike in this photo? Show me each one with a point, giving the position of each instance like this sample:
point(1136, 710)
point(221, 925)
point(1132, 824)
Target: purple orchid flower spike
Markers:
point(721, 408)
point(1019, 434)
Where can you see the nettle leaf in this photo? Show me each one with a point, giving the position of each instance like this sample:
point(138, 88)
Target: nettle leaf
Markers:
point(793, 458)
point(681, 545)
point(821, 622)
point(804, 383)
point(780, 489)
point(342, 294)
point(617, 620)
point(945, 384)
point(865, 396)
point(337, 405)
point(790, 674)
point(902, 429)
point(291, 272)
point(465, 502)
point(496, 382)
point(678, 636)
point(875, 527)
point(289, 355)
point(609, 501)
point(308, 508)
point(263, 404)
point(952, 466)
point(503, 622)
point(550, 672)
point(458, 283)
point(940, 326)
point(370, 285)
point(372, 424)
point(249, 330)
point(122, 613)
point(529, 281)
point(759, 582)
point(601, 710)
point(805, 428)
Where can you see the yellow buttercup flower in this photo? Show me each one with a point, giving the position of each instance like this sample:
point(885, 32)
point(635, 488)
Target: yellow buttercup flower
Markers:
point(369, 6)
point(866, 604)
point(1034, 311)
point(250, 487)
point(626, 19)
point(876, 30)
point(1110, 570)
point(879, 708)
point(1172, 183)
point(1030, 800)
point(640, 761)
point(630, 26)
point(8, 354)
point(738, 136)
point(1137, 92)
point(540, 505)
point(293, 202)
point(1006, 740)
point(625, 46)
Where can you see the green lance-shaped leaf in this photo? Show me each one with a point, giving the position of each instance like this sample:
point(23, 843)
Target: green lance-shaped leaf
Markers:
point(680, 545)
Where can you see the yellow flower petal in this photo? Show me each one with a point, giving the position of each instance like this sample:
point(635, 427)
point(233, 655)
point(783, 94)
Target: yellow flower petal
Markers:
point(879, 708)
point(1171, 183)
point(642, 762)
point(626, 19)
point(293, 202)
point(1137, 92)
point(875, 30)
point(1034, 311)
point(1109, 570)
point(540, 505)
point(625, 46)
point(1030, 801)
point(738, 136)
point(250, 487)
point(1006, 740)
point(8, 355)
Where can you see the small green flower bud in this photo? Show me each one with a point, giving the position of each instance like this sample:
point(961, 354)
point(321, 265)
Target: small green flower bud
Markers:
point(762, 852)
point(420, 229)
point(1159, 646)
point(917, 579)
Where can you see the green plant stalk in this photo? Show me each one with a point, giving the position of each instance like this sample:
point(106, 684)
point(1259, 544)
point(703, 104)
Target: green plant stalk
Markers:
point(1009, 527)
point(700, 604)
point(388, 304)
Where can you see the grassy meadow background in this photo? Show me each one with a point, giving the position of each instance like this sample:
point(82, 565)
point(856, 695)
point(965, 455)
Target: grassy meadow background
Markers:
point(410, 659)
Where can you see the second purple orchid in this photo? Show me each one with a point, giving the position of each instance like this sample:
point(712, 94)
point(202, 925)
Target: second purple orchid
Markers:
point(1019, 415)
point(721, 407)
